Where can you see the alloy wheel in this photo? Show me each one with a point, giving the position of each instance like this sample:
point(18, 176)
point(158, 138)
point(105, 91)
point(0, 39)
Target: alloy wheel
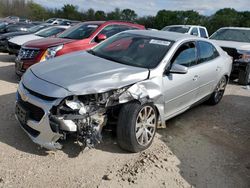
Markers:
point(145, 125)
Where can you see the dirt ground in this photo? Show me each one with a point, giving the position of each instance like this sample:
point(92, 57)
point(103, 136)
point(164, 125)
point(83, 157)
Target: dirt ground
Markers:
point(207, 146)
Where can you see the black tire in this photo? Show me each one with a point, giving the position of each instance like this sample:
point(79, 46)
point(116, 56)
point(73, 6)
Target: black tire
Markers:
point(218, 93)
point(244, 75)
point(126, 127)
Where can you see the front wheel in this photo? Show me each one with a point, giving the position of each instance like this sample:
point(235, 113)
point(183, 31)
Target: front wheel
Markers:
point(218, 93)
point(136, 126)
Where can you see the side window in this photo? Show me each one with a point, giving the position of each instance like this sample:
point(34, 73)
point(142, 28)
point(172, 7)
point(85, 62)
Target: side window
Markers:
point(194, 31)
point(207, 52)
point(203, 33)
point(110, 30)
point(186, 55)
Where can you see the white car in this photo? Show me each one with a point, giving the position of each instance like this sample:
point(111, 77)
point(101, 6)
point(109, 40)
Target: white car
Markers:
point(15, 43)
point(195, 30)
point(236, 42)
point(136, 78)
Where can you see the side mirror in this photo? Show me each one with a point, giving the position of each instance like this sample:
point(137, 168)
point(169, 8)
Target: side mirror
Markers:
point(100, 38)
point(178, 69)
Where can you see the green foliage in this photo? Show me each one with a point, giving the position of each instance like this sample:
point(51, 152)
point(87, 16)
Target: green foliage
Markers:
point(224, 17)
point(34, 11)
point(128, 14)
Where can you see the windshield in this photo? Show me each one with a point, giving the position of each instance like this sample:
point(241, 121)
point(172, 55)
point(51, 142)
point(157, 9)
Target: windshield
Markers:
point(178, 29)
point(35, 28)
point(50, 31)
point(81, 31)
point(50, 20)
point(134, 50)
point(237, 35)
point(2, 25)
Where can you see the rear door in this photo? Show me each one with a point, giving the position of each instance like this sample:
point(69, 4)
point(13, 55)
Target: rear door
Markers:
point(209, 66)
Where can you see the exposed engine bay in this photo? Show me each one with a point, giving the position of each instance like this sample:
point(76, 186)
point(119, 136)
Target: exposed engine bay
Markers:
point(85, 116)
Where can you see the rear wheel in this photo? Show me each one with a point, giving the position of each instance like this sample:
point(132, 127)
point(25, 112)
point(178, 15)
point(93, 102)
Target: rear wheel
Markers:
point(136, 126)
point(218, 93)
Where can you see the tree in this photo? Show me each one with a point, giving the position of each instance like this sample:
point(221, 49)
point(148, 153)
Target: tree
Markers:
point(128, 14)
point(114, 15)
point(90, 14)
point(100, 15)
point(166, 17)
point(70, 11)
point(36, 11)
point(224, 17)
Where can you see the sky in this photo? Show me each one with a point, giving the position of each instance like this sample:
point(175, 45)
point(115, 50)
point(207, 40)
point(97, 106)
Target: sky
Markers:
point(151, 7)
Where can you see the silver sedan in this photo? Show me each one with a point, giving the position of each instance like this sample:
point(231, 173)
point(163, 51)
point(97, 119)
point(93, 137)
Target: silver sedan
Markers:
point(136, 80)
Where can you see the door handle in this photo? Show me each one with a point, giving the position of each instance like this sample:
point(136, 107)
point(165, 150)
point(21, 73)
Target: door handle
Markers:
point(195, 78)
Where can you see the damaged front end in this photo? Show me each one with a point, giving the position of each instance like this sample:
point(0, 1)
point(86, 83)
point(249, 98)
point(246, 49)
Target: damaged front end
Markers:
point(87, 115)
point(83, 116)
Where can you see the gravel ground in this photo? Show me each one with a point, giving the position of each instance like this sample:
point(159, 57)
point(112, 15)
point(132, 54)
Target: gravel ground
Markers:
point(207, 146)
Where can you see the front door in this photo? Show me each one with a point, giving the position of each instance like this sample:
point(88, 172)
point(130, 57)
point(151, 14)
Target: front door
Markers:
point(180, 90)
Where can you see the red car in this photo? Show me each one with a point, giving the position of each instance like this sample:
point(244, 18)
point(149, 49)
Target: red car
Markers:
point(83, 36)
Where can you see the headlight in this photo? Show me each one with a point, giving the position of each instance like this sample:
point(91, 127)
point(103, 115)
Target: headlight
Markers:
point(23, 29)
point(51, 53)
point(245, 55)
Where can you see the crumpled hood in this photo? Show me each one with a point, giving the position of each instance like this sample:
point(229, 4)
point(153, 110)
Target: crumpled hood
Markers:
point(82, 73)
point(231, 44)
point(47, 42)
point(20, 40)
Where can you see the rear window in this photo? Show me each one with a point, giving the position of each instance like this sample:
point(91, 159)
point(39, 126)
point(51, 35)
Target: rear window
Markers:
point(178, 29)
point(207, 51)
point(203, 33)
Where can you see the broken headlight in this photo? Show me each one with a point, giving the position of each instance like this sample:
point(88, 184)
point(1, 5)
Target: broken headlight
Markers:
point(244, 55)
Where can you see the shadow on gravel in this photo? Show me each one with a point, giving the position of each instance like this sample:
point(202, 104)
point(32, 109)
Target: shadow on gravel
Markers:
point(7, 73)
point(212, 143)
point(10, 131)
point(4, 57)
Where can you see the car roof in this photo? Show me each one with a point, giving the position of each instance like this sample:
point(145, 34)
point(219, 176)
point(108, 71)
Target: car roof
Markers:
point(184, 26)
point(172, 36)
point(245, 28)
point(108, 21)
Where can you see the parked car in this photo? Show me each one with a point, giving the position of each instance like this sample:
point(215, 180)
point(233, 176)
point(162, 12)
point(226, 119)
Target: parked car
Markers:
point(11, 19)
point(80, 37)
point(14, 44)
point(59, 21)
point(195, 30)
point(3, 26)
point(137, 78)
point(7, 28)
point(236, 42)
point(7, 36)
